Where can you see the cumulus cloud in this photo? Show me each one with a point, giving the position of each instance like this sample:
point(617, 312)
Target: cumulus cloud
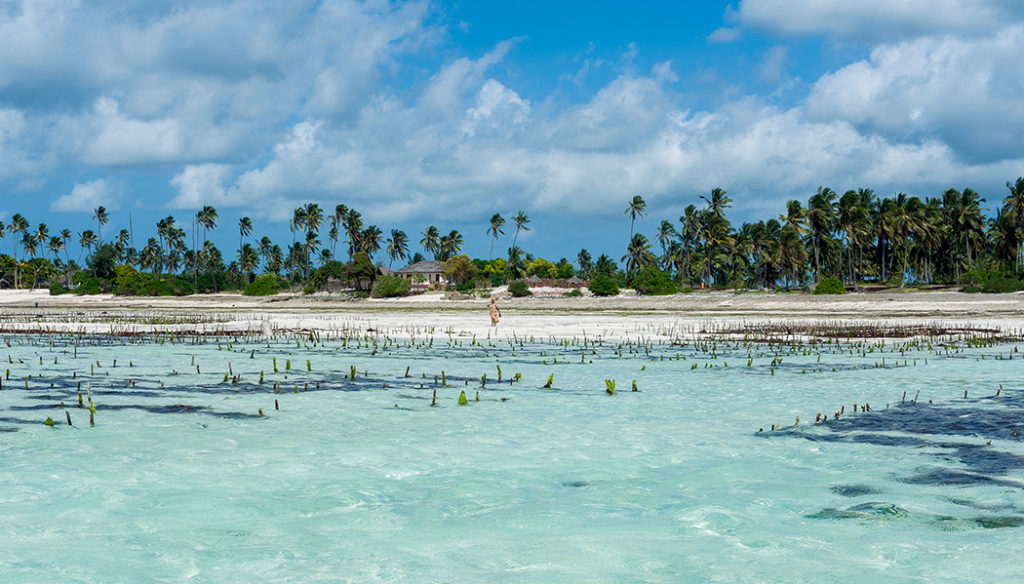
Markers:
point(875, 20)
point(185, 82)
point(488, 148)
point(966, 93)
point(85, 197)
point(199, 185)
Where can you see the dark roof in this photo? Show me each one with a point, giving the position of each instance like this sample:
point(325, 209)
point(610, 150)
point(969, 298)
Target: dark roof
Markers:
point(574, 280)
point(424, 267)
point(534, 280)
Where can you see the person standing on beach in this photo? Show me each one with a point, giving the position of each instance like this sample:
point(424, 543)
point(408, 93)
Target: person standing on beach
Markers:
point(495, 313)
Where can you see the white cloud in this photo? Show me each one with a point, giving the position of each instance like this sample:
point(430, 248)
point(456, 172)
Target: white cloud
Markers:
point(725, 34)
point(85, 197)
point(967, 93)
point(878, 19)
point(198, 185)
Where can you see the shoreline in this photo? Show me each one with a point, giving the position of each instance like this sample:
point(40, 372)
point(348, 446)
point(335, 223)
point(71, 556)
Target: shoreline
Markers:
point(624, 317)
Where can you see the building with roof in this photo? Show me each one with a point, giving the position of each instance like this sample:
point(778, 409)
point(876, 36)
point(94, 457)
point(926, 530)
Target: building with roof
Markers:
point(432, 271)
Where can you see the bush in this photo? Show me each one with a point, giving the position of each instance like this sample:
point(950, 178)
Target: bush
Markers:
point(57, 290)
point(1001, 283)
point(991, 282)
point(88, 286)
point(653, 282)
point(830, 285)
point(602, 285)
point(519, 289)
point(265, 285)
point(574, 293)
point(390, 287)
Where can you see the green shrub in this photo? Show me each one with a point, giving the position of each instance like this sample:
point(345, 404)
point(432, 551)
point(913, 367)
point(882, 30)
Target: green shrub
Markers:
point(653, 282)
point(1002, 283)
point(519, 289)
point(992, 282)
point(57, 290)
point(265, 285)
point(687, 290)
point(88, 286)
point(574, 293)
point(390, 286)
point(830, 285)
point(602, 285)
point(309, 290)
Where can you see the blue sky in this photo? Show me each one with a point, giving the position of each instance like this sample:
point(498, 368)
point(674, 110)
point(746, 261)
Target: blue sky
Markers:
point(420, 113)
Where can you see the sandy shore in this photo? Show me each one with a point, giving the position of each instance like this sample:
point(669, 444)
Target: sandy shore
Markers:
point(539, 317)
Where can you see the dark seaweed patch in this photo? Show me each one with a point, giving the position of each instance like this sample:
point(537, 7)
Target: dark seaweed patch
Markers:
point(854, 490)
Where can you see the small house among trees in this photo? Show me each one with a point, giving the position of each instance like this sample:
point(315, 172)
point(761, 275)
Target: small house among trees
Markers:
point(430, 270)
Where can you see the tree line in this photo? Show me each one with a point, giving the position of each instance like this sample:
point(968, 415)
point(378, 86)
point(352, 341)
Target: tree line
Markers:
point(857, 236)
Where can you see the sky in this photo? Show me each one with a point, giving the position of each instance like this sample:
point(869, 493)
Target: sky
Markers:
point(419, 113)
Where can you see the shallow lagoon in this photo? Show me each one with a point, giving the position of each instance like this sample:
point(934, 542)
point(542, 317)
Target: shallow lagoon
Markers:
point(181, 479)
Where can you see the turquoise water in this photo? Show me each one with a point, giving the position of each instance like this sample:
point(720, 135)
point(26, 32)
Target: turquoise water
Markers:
point(180, 479)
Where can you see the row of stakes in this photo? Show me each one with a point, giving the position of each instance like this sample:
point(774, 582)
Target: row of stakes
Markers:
point(462, 400)
point(820, 418)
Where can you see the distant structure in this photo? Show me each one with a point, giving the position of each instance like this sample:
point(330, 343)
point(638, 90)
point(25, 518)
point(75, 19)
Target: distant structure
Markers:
point(432, 271)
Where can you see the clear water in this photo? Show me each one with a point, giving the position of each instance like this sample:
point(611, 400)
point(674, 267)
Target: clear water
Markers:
point(181, 480)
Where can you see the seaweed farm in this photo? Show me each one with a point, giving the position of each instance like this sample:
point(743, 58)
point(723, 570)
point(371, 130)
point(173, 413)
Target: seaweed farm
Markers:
point(743, 456)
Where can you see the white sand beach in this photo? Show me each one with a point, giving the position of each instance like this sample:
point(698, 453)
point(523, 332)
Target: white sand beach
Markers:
point(625, 316)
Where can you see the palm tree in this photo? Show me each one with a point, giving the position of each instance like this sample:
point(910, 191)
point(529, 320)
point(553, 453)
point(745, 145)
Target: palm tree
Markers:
point(666, 235)
point(494, 230)
point(337, 220)
point(584, 262)
point(314, 218)
point(369, 241)
point(207, 219)
point(19, 227)
point(451, 244)
point(906, 210)
point(795, 217)
point(688, 236)
point(353, 230)
point(65, 238)
point(100, 216)
point(790, 255)
point(520, 221)
point(718, 202)
point(248, 259)
point(820, 218)
point(87, 239)
point(149, 257)
point(398, 246)
point(431, 241)
point(1005, 237)
point(638, 254)
point(636, 208)
point(969, 221)
point(851, 219)
point(1013, 206)
point(274, 259)
point(244, 230)
point(296, 223)
point(516, 266)
point(264, 248)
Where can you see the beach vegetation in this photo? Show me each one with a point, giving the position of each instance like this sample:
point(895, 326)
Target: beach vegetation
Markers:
point(265, 285)
point(830, 285)
point(650, 281)
point(519, 289)
point(459, 269)
point(603, 285)
point(390, 286)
